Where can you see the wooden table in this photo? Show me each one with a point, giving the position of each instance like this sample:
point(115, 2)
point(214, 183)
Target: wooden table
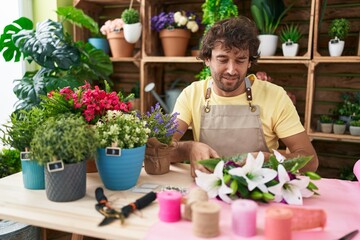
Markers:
point(339, 199)
point(80, 217)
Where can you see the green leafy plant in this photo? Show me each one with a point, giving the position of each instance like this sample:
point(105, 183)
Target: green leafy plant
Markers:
point(355, 123)
point(19, 131)
point(290, 33)
point(214, 11)
point(339, 28)
point(350, 105)
point(268, 14)
point(66, 137)
point(339, 122)
point(63, 62)
point(10, 162)
point(130, 16)
point(326, 119)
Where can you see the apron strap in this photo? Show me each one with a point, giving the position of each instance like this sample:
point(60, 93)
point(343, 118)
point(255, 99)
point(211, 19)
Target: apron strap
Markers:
point(248, 95)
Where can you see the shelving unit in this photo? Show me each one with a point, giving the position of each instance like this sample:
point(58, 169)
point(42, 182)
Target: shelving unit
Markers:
point(316, 79)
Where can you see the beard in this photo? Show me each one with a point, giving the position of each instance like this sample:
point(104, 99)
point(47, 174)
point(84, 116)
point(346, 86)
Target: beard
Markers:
point(228, 83)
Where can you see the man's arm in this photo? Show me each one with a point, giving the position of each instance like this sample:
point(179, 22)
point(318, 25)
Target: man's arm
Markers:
point(190, 150)
point(300, 145)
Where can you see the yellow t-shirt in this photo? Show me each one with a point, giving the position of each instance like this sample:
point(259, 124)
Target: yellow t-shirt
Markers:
point(278, 114)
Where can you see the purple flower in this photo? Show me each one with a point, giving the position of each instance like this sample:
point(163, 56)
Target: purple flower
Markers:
point(166, 21)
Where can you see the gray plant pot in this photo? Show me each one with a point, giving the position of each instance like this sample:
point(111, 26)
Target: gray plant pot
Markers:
point(326, 127)
point(339, 129)
point(66, 185)
point(355, 131)
point(10, 230)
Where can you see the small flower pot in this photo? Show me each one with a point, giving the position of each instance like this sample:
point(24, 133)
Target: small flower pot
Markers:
point(336, 48)
point(33, 174)
point(119, 46)
point(174, 41)
point(100, 43)
point(132, 32)
point(339, 128)
point(290, 50)
point(355, 131)
point(326, 127)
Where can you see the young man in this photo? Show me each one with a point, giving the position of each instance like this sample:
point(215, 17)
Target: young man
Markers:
point(232, 113)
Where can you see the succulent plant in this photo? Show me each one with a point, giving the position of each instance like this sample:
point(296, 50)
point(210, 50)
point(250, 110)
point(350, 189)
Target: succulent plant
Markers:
point(290, 33)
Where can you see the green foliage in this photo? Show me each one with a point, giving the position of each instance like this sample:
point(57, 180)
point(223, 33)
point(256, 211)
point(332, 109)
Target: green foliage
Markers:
point(10, 162)
point(19, 132)
point(350, 105)
point(347, 173)
point(11, 50)
point(339, 28)
point(216, 10)
point(355, 123)
point(204, 73)
point(290, 33)
point(326, 119)
point(63, 62)
point(130, 16)
point(268, 14)
point(136, 90)
point(79, 18)
point(66, 137)
point(339, 122)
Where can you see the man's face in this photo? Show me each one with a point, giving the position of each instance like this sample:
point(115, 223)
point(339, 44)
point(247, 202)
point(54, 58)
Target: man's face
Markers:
point(228, 68)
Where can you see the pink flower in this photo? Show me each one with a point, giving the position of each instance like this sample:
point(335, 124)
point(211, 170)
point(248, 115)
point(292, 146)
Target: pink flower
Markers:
point(111, 26)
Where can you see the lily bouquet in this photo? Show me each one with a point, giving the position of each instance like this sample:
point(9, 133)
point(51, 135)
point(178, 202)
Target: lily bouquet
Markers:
point(244, 176)
point(179, 19)
point(91, 103)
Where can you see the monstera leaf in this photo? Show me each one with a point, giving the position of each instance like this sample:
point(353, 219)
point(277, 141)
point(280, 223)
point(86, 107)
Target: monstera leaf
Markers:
point(6, 42)
point(47, 46)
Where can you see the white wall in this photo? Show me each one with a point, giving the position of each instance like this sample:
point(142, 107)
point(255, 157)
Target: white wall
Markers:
point(9, 71)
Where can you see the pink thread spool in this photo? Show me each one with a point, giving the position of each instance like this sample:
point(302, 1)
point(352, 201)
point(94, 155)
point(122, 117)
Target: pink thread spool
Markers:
point(244, 217)
point(356, 170)
point(278, 223)
point(170, 206)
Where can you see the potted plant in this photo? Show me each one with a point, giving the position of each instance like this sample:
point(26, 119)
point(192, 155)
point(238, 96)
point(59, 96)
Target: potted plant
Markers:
point(267, 15)
point(339, 127)
point(121, 149)
point(9, 162)
point(326, 123)
point(18, 133)
point(174, 30)
point(159, 146)
point(136, 103)
point(349, 107)
point(114, 31)
point(62, 144)
point(338, 31)
point(355, 127)
point(132, 25)
point(62, 61)
point(290, 36)
point(79, 18)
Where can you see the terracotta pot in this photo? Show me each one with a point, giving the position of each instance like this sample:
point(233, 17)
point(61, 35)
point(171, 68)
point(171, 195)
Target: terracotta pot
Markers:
point(174, 41)
point(119, 46)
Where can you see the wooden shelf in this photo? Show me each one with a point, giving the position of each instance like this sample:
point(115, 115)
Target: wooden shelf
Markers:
point(342, 59)
point(162, 59)
point(334, 137)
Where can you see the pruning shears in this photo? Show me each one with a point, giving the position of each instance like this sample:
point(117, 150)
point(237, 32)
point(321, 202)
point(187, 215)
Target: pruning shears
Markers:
point(110, 214)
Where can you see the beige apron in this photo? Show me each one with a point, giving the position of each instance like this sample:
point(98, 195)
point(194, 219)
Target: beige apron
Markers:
point(232, 129)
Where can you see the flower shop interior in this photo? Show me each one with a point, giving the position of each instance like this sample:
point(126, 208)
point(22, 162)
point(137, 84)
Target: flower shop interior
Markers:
point(145, 72)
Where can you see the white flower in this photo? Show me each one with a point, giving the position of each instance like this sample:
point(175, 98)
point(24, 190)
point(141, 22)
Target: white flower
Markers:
point(278, 156)
point(214, 183)
point(182, 21)
point(292, 190)
point(177, 16)
point(253, 173)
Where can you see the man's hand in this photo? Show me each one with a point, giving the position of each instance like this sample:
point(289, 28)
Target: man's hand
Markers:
point(200, 151)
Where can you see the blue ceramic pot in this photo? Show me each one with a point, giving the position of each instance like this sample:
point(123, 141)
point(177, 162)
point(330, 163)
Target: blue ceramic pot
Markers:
point(100, 43)
point(33, 174)
point(120, 172)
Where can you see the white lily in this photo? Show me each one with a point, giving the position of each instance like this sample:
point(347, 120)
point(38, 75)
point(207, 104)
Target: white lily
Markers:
point(292, 191)
point(213, 183)
point(278, 156)
point(253, 172)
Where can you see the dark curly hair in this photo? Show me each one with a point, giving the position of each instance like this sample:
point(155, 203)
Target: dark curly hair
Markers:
point(238, 32)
